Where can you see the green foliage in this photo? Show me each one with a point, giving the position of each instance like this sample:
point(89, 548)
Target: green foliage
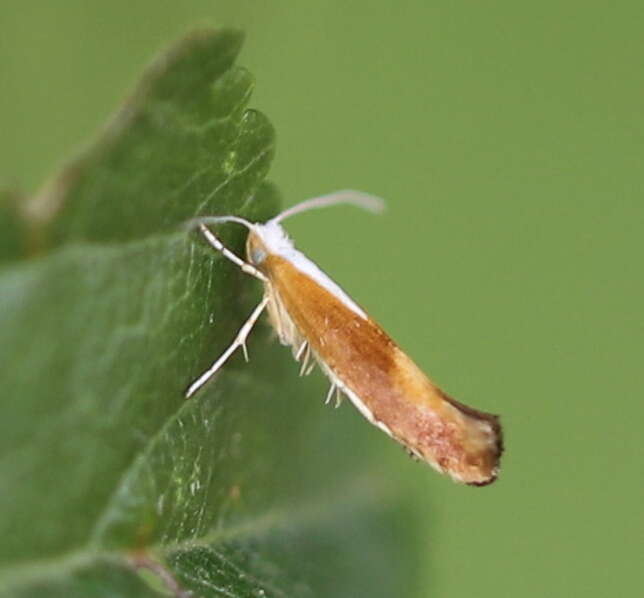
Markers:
point(11, 228)
point(111, 481)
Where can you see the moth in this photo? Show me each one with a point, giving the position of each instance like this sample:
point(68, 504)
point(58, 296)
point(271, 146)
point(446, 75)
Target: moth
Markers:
point(323, 325)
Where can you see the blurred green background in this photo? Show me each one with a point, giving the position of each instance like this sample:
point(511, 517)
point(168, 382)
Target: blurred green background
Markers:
point(508, 139)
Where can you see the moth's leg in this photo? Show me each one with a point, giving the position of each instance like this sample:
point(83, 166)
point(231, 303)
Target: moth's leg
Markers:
point(300, 351)
point(310, 368)
point(240, 341)
point(330, 393)
point(305, 359)
point(227, 253)
point(336, 391)
point(338, 397)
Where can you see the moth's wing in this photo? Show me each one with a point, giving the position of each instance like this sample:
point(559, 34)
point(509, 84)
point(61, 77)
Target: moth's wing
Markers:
point(381, 380)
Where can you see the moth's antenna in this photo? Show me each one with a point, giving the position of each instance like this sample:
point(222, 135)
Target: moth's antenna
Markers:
point(195, 222)
point(349, 196)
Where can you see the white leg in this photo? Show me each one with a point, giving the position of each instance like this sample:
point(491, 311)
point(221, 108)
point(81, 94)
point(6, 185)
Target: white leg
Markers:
point(305, 359)
point(334, 390)
point(219, 246)
point(330, 393)
point(240, 341)
point(338, 397)
point(300, 351)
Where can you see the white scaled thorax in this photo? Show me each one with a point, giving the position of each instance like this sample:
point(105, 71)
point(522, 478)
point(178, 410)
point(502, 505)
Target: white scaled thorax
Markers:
point(278, 242)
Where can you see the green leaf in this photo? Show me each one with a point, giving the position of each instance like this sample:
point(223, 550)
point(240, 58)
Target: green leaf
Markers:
point(12, 235)
point(112, 483)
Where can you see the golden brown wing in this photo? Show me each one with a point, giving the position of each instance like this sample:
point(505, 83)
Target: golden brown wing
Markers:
point(385, 384)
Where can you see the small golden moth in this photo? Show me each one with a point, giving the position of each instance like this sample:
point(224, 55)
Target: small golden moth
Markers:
point(322, 324)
